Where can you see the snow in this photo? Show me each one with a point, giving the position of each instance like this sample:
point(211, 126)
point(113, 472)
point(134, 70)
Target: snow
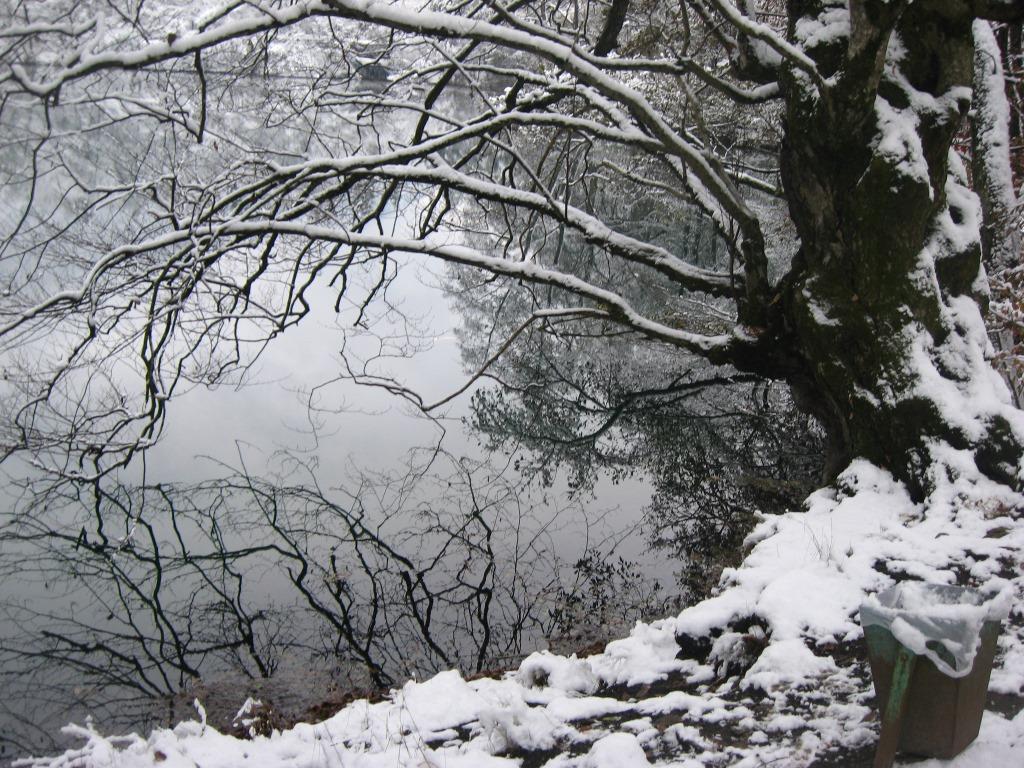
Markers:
point(899, 144)
point(1009, 679)
point(246, 717)
point(514, 725)
point(958, 237)
point(417, 704)
point(787, 662)
point(809, 571)
point(618, 750)
point(818, 312)
point(544, 669)
point(992, 121)
point(647, 655)
point(796, 594)
point(830, 26)
point(956, 376)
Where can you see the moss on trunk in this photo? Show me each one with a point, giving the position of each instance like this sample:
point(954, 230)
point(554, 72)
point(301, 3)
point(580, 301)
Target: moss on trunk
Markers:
point(880, 305)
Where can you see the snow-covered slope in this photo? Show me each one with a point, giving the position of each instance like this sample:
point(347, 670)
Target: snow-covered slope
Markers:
point(770, 671)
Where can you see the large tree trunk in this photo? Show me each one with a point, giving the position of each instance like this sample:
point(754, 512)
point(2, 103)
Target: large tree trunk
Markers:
point(882, 307)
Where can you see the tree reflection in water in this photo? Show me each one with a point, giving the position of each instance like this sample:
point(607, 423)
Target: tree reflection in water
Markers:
point(132, 599)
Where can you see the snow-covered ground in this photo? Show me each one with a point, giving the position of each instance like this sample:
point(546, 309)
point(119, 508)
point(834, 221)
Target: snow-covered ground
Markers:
point(770, 671)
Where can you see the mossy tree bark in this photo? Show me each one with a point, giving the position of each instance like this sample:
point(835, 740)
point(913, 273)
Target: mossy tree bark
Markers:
point(880, 311)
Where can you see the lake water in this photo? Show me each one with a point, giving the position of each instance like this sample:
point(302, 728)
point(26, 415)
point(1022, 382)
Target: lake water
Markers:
point(460, 517)
point(297, 536)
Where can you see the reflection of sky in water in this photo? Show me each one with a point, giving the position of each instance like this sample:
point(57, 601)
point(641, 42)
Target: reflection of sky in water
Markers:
point(358, 429)
point(369, 429)
point(355, 424)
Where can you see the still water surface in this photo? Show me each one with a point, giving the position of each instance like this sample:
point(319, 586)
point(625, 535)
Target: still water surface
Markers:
point(356, 445)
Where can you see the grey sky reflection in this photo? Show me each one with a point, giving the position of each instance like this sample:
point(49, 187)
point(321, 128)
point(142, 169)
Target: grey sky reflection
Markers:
point(358, 429)
point(349, 424)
